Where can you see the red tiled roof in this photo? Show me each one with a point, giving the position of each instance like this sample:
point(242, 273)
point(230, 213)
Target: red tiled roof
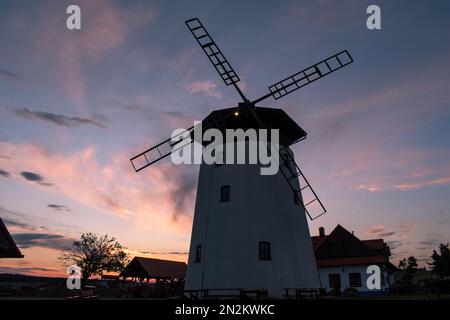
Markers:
point(317, 240)
point(350, 261)
point(375, 244)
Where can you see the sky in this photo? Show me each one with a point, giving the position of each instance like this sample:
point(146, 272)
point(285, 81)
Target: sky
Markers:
point(76, 105)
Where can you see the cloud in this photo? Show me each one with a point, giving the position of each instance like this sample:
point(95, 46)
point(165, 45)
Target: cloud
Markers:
point(386, 234)
point(429, 243)
point(57, 207)
point(369, 136)
point(421, 184)
point(159, 200)
point(58, 119)
point(380, 231)
point(134, 107)
point(401, 230)
point(394, 244)
point(376, 229)
point(207, 87)
point(107, 26)
point(405, 228)
point(38, 271)
point(45, 240)
point(23, 228)
point(30, 176)
point(15, 219)
point(34, 177)
point(378, 168)
point(184, 191)
point(137, 252)
point(176, 119)
point(4, 173)
point(20, 222)
point(10, 75)
point(16, 224)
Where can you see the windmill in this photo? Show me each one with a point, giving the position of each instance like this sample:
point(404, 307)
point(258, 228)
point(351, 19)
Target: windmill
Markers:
point(250, 231)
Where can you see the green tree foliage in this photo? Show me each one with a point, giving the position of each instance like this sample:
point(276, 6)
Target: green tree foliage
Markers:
point(95, 254)
point(441, 261)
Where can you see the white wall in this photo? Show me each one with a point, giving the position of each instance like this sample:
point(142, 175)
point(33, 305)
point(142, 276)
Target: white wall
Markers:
point(344, 271)
point(262, 208)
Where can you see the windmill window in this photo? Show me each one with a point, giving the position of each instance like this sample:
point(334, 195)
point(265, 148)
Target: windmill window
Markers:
point(198, 253)
point(264, 250)
point(225, 194)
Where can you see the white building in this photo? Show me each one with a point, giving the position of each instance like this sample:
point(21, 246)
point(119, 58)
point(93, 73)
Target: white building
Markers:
point(249, 230)
point(343, 259)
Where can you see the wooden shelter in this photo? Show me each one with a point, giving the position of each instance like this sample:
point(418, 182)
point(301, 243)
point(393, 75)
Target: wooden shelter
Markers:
point(142, 269)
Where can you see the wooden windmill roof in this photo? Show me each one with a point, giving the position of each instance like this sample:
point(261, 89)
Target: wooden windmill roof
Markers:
point(8, 248)
point(271, 118)
point(148, 268)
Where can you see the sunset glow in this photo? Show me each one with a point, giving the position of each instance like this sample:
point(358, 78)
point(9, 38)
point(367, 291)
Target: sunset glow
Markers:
point(75, 106)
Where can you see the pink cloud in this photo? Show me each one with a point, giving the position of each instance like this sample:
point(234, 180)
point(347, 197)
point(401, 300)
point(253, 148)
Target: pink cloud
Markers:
point(424, 183)
point(400, 232)
point(404, 229)
point(403, 179)
point(159, 200)
point(204, 86)
point(366, 137)
point(105, 27)
point(380, 231)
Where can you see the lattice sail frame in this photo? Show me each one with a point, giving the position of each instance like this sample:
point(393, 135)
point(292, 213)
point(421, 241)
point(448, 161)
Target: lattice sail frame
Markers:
point(213, 52)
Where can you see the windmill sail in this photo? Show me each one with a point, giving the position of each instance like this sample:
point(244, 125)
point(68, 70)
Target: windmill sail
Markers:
point(159, 151)
point(308, 75)
point(289, 169)
point(175, 143)
point(303, 191)
point(213, 52)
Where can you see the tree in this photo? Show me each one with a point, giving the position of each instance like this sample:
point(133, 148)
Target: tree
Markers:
point(441, 261)
point(409, 264)
point(95, 254)
point(409, 269)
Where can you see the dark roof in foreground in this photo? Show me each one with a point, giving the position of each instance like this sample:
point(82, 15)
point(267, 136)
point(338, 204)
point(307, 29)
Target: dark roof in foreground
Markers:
point(365, 252)
point(141, 267)
point(8, 248)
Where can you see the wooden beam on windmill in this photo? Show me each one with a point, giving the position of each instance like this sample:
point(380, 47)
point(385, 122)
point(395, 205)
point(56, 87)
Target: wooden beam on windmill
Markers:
point(214, 54)
point(308, 75)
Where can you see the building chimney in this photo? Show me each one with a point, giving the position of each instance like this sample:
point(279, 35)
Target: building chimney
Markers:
point(321, 232)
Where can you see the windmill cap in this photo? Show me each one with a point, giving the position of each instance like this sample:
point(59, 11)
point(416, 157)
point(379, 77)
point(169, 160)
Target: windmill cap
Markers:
point(241, 118)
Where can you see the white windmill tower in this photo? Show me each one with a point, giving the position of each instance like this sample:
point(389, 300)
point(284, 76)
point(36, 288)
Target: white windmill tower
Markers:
point(250, 231)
